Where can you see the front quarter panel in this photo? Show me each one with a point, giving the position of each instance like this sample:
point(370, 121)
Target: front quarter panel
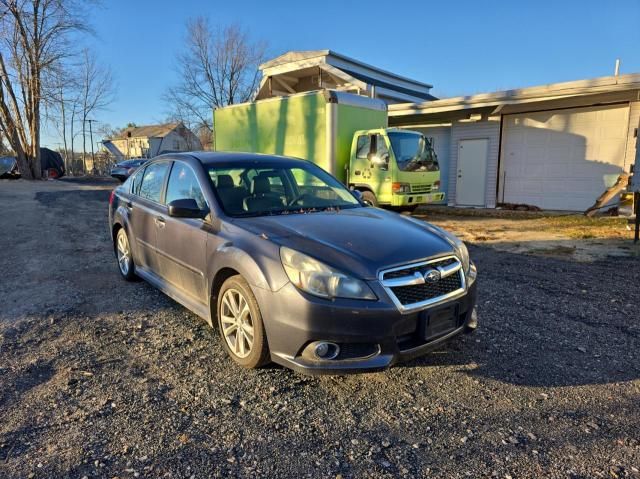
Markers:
point(255, 257)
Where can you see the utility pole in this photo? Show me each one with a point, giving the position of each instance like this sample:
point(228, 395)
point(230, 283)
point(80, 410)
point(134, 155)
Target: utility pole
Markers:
point(93, 157)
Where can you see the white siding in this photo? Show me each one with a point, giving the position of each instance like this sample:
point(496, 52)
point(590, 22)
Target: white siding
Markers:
point(634, 120)
point(489, 129)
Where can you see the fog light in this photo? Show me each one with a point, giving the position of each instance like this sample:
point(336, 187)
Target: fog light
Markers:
point(472, 325)
point(325, 350)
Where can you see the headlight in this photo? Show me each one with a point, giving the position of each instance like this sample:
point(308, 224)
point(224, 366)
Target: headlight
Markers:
point(459, 247)
point(317, 278)
point(463, 254)
point(401, 188)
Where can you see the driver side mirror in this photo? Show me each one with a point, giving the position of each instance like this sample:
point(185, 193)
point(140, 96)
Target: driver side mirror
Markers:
point(186, 208)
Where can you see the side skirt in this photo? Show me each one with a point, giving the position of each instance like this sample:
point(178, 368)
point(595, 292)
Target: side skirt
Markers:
point(194, 306)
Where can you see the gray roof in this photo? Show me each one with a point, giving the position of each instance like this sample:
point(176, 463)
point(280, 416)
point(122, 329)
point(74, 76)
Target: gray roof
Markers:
point(522, 95)
point(147, 131)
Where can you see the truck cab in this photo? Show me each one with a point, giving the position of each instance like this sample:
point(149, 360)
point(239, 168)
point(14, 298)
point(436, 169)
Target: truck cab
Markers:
point(394, 167)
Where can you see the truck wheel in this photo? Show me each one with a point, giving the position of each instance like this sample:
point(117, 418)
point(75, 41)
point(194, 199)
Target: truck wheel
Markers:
point(369, 197)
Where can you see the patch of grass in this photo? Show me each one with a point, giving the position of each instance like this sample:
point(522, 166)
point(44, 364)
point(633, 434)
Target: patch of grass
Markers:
point(558, 250)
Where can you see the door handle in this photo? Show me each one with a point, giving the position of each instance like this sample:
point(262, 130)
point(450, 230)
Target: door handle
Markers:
point(159, 221)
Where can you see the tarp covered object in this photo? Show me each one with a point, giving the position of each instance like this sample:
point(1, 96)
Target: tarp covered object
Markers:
point(51, 161)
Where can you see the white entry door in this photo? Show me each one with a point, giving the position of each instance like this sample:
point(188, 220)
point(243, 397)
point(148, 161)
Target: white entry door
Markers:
point(471, 181)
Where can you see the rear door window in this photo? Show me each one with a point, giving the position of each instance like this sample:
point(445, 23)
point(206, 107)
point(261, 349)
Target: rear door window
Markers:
point(134, 182)
point(153, 181)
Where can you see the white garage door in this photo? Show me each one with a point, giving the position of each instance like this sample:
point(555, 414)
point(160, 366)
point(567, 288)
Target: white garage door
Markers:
point(562, 159)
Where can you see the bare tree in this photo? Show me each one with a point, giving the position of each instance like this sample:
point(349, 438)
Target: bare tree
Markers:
point(218, 67)
point(61, 108)
point(34, 37)
point(96, 93)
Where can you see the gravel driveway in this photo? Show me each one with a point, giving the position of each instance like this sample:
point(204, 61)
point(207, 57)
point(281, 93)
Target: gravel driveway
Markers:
point(101, 378)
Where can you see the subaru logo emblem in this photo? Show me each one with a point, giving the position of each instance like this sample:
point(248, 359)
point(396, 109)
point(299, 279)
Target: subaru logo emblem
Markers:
point(432, 276)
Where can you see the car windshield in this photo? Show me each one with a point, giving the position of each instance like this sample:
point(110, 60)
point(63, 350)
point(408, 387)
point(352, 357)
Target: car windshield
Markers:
point(270, 188)
point(413, 152)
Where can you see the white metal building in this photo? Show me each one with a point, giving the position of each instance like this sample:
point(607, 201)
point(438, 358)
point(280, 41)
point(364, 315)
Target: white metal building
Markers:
point(300, 71)
point(555, 146)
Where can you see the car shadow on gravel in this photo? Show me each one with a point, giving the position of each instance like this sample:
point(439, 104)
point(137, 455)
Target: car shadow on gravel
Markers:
point(549, 322)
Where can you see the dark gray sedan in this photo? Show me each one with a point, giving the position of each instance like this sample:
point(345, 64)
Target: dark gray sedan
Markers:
point(289, 264)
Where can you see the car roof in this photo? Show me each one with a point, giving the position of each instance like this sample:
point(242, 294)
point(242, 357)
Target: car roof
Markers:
point(211, 158)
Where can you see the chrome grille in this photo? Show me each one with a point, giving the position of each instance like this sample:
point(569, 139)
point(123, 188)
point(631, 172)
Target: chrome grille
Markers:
point(421, 188)
point(420, 292)
point(409, 289)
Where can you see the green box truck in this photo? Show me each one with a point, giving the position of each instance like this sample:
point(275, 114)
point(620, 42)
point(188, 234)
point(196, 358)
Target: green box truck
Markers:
point(343, 133)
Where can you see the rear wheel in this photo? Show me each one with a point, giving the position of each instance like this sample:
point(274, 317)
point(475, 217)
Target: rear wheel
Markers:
point(369, 197)
point(240, 324)
point(123, 253)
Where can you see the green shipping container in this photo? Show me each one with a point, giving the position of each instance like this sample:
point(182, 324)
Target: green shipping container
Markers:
point(317, 126)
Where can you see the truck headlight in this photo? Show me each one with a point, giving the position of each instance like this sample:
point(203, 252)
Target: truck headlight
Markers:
point(317, 278)
point(401, 187)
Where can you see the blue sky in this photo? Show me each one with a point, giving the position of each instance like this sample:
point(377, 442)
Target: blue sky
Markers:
point(461, 47)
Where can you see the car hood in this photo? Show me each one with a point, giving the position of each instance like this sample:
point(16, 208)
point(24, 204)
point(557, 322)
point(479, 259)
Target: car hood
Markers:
point(359, 241)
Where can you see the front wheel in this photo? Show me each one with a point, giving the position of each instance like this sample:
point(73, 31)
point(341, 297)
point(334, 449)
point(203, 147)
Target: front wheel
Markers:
point(240, 324)
point(123, 253)
point(369, 198)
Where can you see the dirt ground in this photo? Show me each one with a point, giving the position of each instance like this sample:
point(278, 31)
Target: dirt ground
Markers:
point(560, 234)
point(103, 378)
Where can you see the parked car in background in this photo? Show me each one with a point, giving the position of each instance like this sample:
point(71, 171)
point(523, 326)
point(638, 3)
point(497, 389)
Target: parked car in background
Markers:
point(292, 266)
point(9, 167)
point(126, 168)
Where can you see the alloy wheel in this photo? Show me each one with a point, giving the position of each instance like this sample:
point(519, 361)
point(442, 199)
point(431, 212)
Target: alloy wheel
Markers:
point(237, 323)
point(123, 252)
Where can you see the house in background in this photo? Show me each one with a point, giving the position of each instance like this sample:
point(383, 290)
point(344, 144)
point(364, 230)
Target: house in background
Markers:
point(151, 140)
point(301, 71)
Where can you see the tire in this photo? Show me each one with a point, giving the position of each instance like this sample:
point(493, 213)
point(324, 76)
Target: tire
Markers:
point(124, 256)
point(406, 209)
point(237, 310)
point(369, 197)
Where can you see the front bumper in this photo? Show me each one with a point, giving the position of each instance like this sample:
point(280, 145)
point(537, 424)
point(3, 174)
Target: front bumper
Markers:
point(372, 335)
point(411, 199)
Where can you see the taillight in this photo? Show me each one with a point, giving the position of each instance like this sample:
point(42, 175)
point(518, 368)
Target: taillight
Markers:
point(112, 197)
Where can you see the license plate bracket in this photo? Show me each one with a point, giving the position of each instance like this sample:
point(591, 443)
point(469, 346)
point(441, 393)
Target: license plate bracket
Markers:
point(438, 322)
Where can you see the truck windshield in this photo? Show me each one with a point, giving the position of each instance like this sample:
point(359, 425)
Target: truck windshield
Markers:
point(270, 188)
point(413, 152)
